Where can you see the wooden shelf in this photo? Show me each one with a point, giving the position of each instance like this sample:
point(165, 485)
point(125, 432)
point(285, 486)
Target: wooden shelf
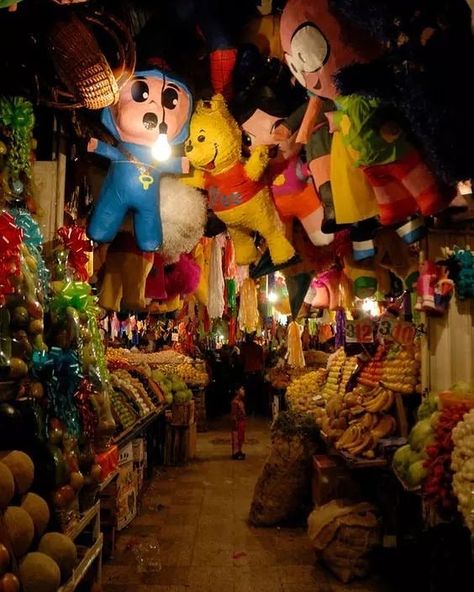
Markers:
point(108, 480)
point(353, 462)
point(86, 562)
point(137, 428)
point(75, 530)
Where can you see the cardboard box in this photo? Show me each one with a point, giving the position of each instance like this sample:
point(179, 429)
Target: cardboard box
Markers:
point(139, 475)
point(126, 454)
point(127, 494)
point(139, 449)
point(108, 462)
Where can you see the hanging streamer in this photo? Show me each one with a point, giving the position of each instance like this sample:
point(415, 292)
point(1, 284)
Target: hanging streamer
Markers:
point(216, 303)
point(295, 346)
point(248, 312)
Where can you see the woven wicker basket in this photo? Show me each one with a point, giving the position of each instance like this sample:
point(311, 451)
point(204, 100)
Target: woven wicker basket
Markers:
point(82, 66)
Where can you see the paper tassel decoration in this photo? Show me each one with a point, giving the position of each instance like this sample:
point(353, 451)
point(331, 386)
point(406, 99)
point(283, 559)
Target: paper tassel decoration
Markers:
point(248, 313)
point(216, 302)
point(295, 347)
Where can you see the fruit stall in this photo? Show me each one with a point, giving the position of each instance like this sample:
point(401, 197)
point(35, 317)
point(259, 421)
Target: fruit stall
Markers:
point(181, 178)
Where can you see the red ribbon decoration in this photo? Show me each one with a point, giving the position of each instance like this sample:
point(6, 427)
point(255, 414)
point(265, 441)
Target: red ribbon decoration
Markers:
point(76, 242)
point(82, 398)
point(11, 238)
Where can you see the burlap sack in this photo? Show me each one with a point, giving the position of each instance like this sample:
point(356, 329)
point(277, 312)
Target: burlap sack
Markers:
point(283, 490)
point(343, 536)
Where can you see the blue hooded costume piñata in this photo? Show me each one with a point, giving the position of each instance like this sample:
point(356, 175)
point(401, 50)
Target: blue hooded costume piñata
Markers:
point(133, 180)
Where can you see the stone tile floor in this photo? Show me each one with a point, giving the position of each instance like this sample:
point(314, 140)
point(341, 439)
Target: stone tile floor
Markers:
point(198, 515)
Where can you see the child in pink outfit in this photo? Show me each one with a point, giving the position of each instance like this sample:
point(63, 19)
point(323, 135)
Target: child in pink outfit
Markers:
point(238, 423)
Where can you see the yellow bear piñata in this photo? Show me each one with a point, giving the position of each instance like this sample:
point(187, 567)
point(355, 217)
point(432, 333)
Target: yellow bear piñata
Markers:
point(236, 192)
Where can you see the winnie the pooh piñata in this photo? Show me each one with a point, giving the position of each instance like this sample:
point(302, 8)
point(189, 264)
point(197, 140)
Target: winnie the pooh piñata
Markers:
point(236, 192)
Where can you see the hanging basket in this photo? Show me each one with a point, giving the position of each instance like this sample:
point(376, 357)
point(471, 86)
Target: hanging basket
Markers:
point(81, 65)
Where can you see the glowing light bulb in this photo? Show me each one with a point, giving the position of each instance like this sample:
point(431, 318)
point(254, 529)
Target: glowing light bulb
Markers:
point(272, 297)
point(370, 306)
point(161, 149)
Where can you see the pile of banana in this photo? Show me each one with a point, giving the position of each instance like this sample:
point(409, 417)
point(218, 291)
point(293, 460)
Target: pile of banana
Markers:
point(380, 400)
point(362, 436)
point(358, 420)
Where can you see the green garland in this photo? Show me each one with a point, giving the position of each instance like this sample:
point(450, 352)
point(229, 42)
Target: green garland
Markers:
point(17, 115)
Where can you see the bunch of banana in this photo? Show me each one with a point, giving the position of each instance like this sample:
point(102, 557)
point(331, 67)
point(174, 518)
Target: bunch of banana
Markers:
point(355, 440)
point(380, 400)
point(384, 427)
point(362, 436)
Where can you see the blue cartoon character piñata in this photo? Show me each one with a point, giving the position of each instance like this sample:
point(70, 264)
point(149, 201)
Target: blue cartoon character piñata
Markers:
point(148, 100)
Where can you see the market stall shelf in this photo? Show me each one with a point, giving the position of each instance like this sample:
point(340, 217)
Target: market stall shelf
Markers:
point(90, 555)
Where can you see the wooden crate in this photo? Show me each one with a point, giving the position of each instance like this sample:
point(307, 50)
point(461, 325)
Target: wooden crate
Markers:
point(199, 396)
point(180, 444)
point(182, 413)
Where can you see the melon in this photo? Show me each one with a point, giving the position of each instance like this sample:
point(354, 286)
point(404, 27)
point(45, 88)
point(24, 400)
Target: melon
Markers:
point(20, 528)
point(60, 548)
point(39, 573)
point(22, 468)
point(7, 486)
point(38, 510)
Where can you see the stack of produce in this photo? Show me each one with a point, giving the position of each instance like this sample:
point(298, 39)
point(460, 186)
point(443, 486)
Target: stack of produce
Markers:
point(409, 460)
point(304, 394)
point(45, 560)
point(118, 355)
point(366, 413)
point(125, 415)
point(401, 369)
point(152, 389)
point(173, 387)
point(166, 356)
point(462, 463)
point(133, 389)
point(340, 371)
point(372, 372)
point(192, 374)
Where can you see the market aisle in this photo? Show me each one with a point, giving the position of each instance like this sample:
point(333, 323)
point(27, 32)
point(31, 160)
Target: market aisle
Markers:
point(198, 515)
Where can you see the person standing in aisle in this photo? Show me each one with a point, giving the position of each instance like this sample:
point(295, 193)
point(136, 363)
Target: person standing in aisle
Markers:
point(253, 360)
point(238, 422)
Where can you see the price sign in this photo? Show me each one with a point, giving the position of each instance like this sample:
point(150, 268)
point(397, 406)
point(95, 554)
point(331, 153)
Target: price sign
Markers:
point(391, 329)
point(386, 327)
point(360, 331)
point(174, 336)
point(404, 332)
